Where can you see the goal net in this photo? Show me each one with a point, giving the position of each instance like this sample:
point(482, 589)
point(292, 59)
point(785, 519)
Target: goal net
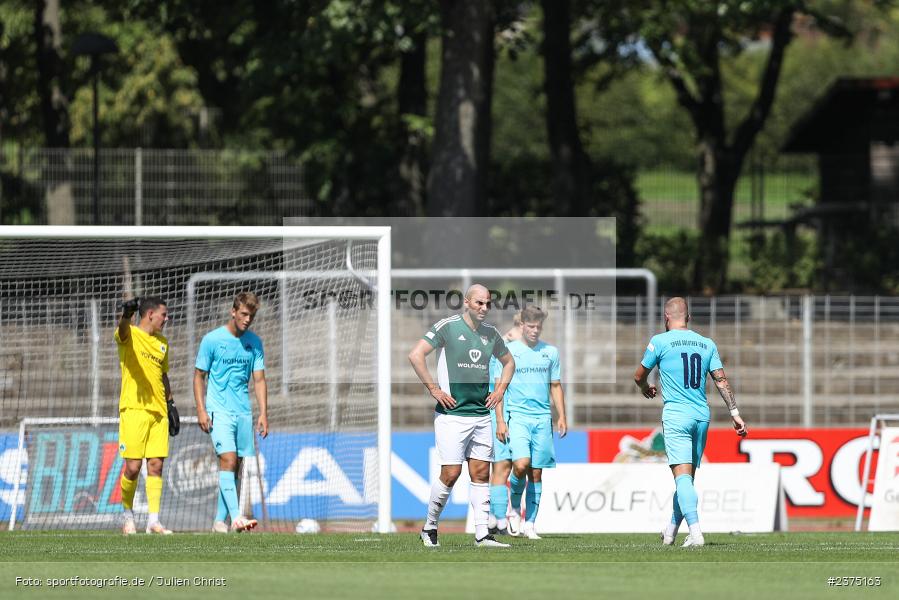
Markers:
point(324, 323)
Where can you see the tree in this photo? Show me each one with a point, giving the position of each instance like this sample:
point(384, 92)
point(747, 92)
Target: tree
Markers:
point(461, 149)
point(571, 165)
point(688, 39)
point(48, 44)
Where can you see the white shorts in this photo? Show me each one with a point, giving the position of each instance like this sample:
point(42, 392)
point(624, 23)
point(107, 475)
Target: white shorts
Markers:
point(461, 438)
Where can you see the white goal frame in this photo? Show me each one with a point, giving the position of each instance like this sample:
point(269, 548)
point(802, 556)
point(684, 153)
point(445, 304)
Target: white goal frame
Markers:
point(876, 420)
point(382, 283)
point(559, 276)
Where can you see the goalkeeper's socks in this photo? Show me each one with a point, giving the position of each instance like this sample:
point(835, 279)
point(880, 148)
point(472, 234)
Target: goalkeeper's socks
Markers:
point(439, 495)
point(532, 501)
point(499, 502)
point(517, 487)
point(479, 497)
point(154, 493)
point(686, 497)
point(129, 486)
point(228, 491)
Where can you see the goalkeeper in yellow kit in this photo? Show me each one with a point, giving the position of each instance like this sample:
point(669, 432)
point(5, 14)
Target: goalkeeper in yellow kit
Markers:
point(143, 409)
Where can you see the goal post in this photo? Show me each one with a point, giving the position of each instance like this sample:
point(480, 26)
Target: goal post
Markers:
point(59, 286)
point(875, 442)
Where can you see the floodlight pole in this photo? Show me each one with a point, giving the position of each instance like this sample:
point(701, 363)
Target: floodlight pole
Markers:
point(94, 46)
point(95, 76)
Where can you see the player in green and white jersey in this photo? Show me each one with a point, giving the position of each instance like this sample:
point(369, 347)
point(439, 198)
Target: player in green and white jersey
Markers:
point(462, 427)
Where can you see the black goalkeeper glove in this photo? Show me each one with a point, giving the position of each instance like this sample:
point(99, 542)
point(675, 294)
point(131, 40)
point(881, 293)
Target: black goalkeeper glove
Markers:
point(174, 419)
point(129, 307)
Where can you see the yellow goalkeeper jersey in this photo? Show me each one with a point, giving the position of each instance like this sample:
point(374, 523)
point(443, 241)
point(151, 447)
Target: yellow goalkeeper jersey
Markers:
point(144, 358)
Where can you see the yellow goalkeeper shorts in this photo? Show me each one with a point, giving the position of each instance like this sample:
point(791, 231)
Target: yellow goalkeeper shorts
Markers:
point(143, 434)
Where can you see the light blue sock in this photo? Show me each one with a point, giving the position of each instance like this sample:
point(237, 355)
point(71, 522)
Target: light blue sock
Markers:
point(532, 501)
point(686, 496)
point(517, 487)
point(228, 490)
point(676, 516)
point(221, 510)
point(499, 500)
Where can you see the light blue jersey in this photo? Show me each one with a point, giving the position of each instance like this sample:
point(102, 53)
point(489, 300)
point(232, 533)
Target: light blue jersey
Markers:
point(685, 359)
point(230, 362)
point(535, 368)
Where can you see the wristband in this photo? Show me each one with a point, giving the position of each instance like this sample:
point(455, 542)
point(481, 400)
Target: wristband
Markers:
point(735, 412)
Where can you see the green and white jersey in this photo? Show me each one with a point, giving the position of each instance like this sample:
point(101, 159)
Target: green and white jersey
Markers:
point(463, 366)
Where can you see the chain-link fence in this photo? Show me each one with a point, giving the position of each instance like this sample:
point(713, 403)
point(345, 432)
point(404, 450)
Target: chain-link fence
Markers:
point(221, 187)
point(150, 187)
point(767, 190)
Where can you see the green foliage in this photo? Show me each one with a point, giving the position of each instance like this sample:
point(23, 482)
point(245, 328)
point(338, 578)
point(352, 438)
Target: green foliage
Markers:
point(670, 256)
point(635, 119)
point(866, 260)
point(780, 262)
point(19, 101)
point(521, 187)
point(22, 203)
point(148, 96)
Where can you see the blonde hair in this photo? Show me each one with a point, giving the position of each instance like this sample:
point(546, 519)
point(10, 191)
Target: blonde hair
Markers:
point(532, 314)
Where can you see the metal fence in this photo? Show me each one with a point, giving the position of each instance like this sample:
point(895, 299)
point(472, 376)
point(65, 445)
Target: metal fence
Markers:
point(221, 187)
point(829, 361)
point(768, 189)
point(151, 187)
point(792, 360)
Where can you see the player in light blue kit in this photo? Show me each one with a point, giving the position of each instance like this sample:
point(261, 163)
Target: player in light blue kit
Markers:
point(227, 358)
point(684, 359)
point(501, 466)
point(536, 383)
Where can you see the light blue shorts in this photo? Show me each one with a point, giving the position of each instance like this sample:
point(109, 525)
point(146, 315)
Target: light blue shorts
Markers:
point(532, 437)
point(501, 450)
point(684, 440)
point(232, 433)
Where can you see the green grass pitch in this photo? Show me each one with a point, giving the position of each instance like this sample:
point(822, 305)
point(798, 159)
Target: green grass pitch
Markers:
point(362, 566)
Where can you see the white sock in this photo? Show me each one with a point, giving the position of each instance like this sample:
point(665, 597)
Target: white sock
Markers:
point(153, 520)
point(479, 497)
point(128, 514)
point(671, 530)
point(695, 531)
point(502, 523)
point(439, 495)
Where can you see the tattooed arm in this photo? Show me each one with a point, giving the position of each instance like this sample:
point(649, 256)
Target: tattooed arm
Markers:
point(730, 400)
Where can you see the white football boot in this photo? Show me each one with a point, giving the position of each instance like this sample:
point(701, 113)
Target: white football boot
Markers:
point(530, 532)
point(514, 523)
point(694, 540)
point(220, 527)
point(667, 540)
point(158, 528)
point(429, 538)
point(241, 524)
point(488, 541)
point(128, 527)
